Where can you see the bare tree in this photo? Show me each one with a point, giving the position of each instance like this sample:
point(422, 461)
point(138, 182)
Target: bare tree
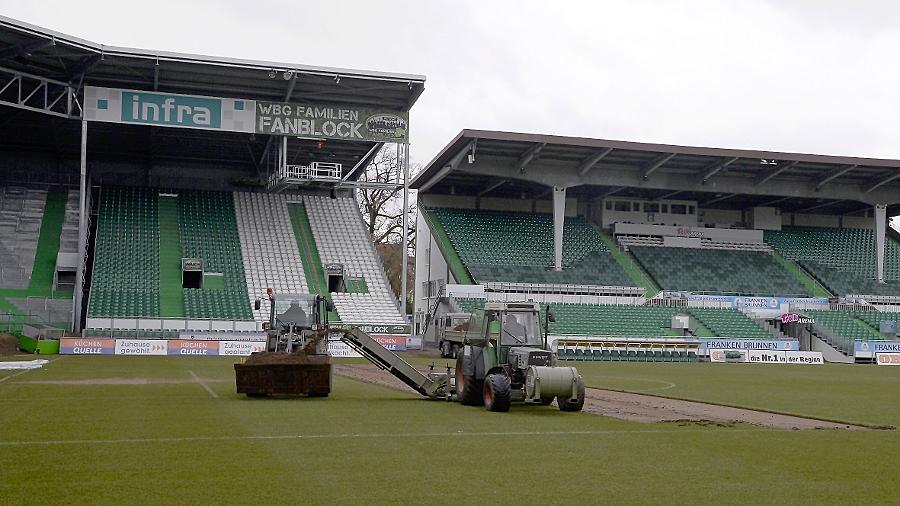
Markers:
point(382, 211)
point(382, 208)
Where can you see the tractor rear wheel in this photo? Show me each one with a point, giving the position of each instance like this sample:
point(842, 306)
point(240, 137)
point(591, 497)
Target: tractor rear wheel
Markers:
point(568, 405)
point(445, 349)
point(468, 389)
point(497, 392)
point(454, 350)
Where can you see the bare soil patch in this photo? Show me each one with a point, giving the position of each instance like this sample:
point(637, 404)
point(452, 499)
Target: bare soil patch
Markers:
point(639, 407)
point(9, 344)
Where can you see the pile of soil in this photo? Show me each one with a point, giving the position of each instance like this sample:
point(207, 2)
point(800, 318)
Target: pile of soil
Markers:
point(271, 358)
point(9, 344)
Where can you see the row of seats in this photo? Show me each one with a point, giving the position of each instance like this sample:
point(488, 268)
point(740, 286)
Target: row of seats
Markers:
point(844, 282)
point(268, 247)
point(125, 278)
point(627, 355)
point(730, 323)
point(846, 327)
point(21, 214)
point(208, 230)
point(628, 241)
point(518, 247)
point(710, 270)
point(843, 259)
point(341, 238)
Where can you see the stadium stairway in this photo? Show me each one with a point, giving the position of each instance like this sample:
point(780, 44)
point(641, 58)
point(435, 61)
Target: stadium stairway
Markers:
point(341, 238)
point(638, 275)
point(306, 245)
point(171, 302)
point(806, 279)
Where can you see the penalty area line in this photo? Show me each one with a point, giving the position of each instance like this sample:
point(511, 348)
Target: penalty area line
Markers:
point(203, 384)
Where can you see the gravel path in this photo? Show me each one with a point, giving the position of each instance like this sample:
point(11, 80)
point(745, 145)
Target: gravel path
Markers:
point(638, 407)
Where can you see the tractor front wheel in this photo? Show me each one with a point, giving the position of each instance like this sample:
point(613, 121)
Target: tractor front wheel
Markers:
point(566, 404)
point(468, 389)
point(497, 392)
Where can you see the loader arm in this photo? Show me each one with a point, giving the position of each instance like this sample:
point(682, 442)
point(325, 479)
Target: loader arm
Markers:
point(433, 386)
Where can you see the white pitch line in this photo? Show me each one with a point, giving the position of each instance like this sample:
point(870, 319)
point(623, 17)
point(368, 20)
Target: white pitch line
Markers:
point(312, 437)
point(668, 384)
point(11, 376)
point(204, 385)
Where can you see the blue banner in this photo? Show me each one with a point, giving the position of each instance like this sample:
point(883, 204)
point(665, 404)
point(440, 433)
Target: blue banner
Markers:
point(738, 301)
point(876, 347)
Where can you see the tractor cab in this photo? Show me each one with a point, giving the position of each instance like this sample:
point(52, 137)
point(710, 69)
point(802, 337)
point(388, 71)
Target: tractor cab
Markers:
point(513, 329)
point(513, 324)
point(294, 320)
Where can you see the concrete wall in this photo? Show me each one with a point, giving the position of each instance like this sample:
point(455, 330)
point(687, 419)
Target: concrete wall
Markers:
point(611, 210)
point(430, 263)
point(497, 204)
point(718, 234)
point(722, 218)
point(765, 218)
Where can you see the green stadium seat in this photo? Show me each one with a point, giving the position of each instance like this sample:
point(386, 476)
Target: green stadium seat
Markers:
point(842, 259)
point(518, 247)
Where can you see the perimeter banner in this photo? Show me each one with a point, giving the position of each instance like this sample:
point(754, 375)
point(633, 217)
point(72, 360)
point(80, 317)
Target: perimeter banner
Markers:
point(193, 347)
point(303, 119)
point(887, 358)
point(86, 346)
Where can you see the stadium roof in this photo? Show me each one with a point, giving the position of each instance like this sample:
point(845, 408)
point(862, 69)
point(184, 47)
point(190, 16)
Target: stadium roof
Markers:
point(52, 55)
point(519, 165)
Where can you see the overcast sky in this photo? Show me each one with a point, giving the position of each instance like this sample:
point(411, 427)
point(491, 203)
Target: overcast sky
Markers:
point(817, 76)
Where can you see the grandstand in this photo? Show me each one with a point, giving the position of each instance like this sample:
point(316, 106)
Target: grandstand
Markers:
point(183, 228)
point(725, 240)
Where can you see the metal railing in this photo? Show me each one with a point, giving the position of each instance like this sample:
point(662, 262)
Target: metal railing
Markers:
point(299, 174)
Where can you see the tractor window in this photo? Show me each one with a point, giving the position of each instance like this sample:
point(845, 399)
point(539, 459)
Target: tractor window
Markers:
point(298, 310)
point(520, 328)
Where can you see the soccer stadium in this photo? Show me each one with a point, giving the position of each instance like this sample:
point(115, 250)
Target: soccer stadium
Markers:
point(685, 324)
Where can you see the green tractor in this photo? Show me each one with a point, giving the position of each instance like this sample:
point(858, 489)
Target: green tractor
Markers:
point(505, 358)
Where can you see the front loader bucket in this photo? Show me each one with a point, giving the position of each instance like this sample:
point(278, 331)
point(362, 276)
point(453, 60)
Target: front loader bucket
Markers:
point(268, 373)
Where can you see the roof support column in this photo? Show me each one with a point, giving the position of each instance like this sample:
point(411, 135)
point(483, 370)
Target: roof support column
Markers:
point(78, 296)
point(559, 219)
point(880, 224)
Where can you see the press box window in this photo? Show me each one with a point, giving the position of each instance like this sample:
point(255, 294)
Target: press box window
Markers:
point(651, 207)
point(679, 209)
point(623, 206)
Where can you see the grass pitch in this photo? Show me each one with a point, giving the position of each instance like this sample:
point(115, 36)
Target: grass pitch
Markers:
point(137, 430)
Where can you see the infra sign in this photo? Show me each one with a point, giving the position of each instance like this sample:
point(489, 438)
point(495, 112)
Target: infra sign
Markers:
point(168, 109)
